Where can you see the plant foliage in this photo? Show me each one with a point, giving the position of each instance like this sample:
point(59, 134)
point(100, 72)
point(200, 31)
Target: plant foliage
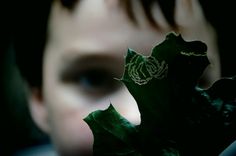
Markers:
point(177, 116)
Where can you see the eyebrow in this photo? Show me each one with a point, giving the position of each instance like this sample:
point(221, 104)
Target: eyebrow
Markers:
point(90, 59)
point(70, 4)
point(74, 64)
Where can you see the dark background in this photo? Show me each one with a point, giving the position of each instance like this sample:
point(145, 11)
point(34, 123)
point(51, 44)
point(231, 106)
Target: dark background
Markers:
point(17, 131)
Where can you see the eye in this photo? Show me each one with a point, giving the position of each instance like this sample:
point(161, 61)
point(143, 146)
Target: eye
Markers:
point(96, 82)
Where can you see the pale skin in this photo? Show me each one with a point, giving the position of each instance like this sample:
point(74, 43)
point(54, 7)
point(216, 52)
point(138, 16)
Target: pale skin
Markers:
point(95, 37)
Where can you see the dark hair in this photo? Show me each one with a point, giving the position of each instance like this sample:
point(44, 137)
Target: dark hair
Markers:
point(30, 38)
point(31, 32)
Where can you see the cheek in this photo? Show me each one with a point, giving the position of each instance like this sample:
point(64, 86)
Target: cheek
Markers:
point(67, 109)
point(70, 133)
point(125, 104)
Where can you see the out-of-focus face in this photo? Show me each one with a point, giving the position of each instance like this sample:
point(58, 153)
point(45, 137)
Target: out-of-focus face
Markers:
point(85, 52)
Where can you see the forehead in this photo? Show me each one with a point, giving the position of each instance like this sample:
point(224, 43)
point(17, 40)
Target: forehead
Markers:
point(100, 23)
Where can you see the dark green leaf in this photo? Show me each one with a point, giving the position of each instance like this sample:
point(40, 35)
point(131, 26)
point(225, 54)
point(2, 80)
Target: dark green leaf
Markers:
point(177, 117)
point(113, 134)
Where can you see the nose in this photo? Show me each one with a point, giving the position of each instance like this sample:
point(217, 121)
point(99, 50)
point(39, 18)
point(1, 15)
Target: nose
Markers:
point(125, 104)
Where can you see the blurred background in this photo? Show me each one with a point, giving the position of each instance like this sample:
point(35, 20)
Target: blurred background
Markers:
point(17, 131)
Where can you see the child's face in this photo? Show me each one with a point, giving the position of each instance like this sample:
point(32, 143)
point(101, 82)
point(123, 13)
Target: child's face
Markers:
point(84, 53)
